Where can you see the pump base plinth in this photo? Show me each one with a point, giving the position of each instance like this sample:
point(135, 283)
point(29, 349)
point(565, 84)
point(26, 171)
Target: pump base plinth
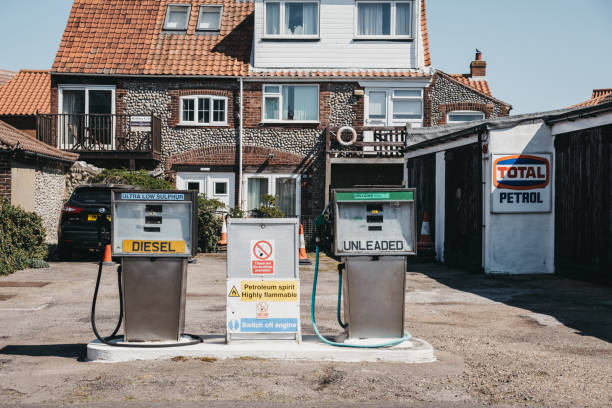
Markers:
point(311, 349)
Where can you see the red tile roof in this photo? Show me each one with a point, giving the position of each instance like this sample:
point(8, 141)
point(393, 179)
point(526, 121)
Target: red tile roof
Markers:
point(28, 92)
point(599, 96)
point(126, 37)
point(425, 34)
point(362, 73)
point(481, 85)
point(6, 75)
point(14, 139)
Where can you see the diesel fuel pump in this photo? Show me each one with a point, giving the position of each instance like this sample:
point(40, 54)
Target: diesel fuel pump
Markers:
point(153, 233)
point(374, 230)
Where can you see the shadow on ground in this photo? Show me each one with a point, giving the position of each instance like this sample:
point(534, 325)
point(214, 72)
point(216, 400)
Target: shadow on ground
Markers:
point(76, 350)
point(585, 307)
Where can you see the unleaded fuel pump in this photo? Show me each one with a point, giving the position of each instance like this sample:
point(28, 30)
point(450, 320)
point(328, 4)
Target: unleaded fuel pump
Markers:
point(153, 233)
point(374, 230)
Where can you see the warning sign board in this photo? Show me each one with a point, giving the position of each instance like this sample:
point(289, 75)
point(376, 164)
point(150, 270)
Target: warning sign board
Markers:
point(262, 257)
point(263, 306)
point(273, 290)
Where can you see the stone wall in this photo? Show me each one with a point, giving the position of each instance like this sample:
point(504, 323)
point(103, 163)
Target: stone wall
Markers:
point(50, 186)
point(162, 97)
point(79, 173)
point(445, 95)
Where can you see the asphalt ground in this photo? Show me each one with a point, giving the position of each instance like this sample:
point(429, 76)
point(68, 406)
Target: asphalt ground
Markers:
point(541, 341)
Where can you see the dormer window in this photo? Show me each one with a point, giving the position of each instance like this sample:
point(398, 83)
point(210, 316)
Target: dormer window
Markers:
point(177, 17)
point(210, 18)
point(384, 19)
point(291, 19)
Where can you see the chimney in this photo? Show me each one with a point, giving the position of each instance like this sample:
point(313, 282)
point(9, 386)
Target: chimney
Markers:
point(478, 67)
point(601, 92)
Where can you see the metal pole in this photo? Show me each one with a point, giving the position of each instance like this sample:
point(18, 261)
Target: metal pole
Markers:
point(239, 181)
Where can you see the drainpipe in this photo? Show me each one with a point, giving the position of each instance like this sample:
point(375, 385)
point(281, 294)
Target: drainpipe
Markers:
point(239, 181)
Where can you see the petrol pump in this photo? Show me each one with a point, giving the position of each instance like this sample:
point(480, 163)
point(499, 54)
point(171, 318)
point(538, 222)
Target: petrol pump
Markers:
point(153, 233)
point(374, 231)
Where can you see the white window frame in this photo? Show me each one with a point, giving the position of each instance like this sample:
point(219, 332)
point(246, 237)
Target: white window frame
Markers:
point(214, 187)
point(196, 99)
point(392, 34)
point(86, 89)
point(390, 93)
point(201, 184)
point(279, 95)
point(272, 187)
point(465, 112)
point(209, 6)
point(177, 5)
point(281, 34)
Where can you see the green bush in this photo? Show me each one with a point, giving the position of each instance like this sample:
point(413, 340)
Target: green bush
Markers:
point(22, 238)
point(268, 208)
point(134, 177)
point(236, 212)
point(209, 223)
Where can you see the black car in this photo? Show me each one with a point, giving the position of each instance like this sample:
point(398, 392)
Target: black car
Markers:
point(87, 210)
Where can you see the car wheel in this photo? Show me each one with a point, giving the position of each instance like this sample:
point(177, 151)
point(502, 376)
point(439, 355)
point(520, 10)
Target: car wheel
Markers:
point(64, 252)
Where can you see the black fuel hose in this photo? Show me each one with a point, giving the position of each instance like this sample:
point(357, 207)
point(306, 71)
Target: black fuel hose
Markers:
point(109, 340)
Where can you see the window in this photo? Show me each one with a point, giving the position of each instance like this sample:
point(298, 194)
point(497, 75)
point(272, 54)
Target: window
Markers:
point(285, 187)
point(291, 19)
point(203, 110)
point(210, 18)
point(193, 185)
point(393, 107)
point(464, 116)
point(384, 19)
point(87, 116)
point(220, 188)
point(290, 103)
point(177, 17)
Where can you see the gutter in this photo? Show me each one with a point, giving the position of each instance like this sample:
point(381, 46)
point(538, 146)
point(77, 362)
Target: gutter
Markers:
point(240, 134)
point(41, 155)
point(579, 113)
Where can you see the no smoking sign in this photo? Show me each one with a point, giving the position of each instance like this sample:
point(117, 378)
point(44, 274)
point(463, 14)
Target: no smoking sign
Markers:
point(262, 257)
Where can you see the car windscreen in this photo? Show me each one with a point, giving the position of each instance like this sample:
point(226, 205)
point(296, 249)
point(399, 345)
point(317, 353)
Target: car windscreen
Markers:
point(92, 196)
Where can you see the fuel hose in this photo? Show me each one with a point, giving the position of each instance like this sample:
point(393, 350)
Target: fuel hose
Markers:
point(407, 336)
point(109, 340)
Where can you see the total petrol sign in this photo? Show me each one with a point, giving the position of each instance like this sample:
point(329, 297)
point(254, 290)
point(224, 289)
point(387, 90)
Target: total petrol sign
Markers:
point(521, 183)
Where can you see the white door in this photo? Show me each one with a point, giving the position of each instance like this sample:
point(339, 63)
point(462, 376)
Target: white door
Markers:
point(219, 186)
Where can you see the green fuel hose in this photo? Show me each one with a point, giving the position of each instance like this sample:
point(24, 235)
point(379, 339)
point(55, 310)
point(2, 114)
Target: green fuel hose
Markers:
point(407, 335)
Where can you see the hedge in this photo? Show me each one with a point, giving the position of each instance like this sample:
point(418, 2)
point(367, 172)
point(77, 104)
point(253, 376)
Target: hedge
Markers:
point(22, 238)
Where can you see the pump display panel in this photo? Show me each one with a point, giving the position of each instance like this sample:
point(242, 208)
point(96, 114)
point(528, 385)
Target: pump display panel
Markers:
point(154, 223)
point(374, 222)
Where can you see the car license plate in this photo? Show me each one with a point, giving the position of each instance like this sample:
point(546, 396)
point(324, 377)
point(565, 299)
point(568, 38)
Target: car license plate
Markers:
point(94, 217)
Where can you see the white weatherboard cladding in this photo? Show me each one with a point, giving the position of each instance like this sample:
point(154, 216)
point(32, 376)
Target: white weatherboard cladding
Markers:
point(336, 47)
point(519, 243)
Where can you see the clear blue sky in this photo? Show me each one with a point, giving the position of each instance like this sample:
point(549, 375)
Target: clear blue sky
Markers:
point(541, 54)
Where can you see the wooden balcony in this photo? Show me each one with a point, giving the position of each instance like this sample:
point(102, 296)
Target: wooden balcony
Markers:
point(102, 136)
point(371, 143)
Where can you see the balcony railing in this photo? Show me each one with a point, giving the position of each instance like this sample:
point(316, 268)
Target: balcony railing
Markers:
point(370, 142)
point(98, 133)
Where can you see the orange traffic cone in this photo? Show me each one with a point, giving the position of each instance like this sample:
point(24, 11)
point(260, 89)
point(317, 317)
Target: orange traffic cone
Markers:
point(425, 245)
point(302, 252)
point(223, 240)
point(108, 259)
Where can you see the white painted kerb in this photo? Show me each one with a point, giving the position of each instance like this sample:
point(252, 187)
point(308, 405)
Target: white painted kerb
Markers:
point(311, 349)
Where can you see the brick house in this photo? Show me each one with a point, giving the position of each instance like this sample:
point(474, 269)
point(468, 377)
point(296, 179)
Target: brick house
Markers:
point(241, 98)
